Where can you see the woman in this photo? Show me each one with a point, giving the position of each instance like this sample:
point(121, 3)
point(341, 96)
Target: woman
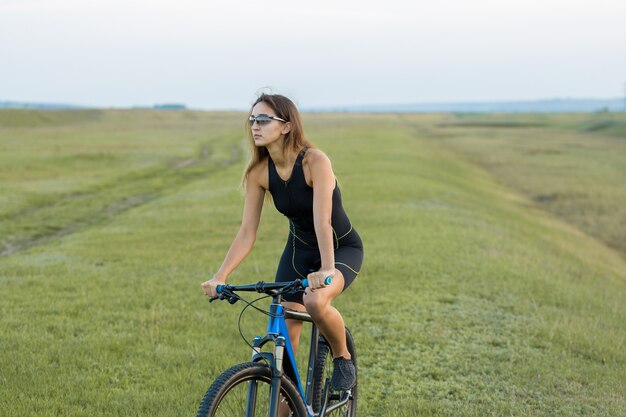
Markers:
point(321, 241)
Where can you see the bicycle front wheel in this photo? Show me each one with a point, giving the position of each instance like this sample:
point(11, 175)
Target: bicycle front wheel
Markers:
point(324, 370)
point(244, 390)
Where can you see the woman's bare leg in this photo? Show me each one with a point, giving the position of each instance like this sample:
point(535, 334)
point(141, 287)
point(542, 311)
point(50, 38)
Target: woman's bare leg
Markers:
point(294, 326)
point(326, 317)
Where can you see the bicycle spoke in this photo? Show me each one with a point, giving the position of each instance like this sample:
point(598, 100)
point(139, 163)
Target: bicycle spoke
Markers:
point(244, 391)
point(236, 403)
point(252, 395)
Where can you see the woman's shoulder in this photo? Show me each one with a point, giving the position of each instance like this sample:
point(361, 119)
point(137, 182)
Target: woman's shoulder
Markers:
point(261, 164)
point(315, 164)
point(258, 173)
point(316, 156)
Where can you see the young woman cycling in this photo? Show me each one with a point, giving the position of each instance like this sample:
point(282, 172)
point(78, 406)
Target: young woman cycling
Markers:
point(321, 242)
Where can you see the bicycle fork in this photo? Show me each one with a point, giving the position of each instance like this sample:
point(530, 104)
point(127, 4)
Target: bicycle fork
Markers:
point(277, 372)
point(275, 361)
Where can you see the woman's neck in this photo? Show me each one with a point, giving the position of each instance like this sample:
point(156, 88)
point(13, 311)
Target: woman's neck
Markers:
point(279, 156)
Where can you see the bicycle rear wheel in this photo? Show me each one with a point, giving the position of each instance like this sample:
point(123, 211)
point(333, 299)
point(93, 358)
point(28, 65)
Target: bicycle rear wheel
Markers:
point(248, 385)
point(324, 370)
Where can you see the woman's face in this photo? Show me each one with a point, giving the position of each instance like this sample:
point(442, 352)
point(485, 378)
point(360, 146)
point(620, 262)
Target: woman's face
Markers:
point(266, 134)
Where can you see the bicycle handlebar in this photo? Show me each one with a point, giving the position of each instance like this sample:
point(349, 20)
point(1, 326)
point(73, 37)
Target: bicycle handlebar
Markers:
point(270, 287)
point(327, 281)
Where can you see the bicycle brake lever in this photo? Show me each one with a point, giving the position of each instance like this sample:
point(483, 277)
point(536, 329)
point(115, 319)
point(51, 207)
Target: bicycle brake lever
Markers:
point(213, 298)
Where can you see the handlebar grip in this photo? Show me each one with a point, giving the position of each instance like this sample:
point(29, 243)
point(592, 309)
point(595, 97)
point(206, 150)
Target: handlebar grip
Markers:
point(305, 282)
point(219, 289)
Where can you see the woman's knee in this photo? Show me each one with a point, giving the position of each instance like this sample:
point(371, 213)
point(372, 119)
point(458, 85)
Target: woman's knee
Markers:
point(315, 302)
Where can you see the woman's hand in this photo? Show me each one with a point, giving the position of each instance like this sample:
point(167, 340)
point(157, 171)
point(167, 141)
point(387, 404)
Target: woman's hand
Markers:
point(316, 279)
point(210, 286)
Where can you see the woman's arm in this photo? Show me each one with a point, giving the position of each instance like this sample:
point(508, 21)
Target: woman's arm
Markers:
point(323, 182)
point(244, 241)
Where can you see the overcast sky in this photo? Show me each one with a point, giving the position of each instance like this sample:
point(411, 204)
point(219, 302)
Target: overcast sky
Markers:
point(212, 54)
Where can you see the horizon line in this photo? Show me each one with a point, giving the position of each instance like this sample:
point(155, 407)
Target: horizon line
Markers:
point(41, 105)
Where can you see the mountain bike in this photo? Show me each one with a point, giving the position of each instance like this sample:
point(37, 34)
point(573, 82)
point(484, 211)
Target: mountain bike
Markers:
point(271, 381)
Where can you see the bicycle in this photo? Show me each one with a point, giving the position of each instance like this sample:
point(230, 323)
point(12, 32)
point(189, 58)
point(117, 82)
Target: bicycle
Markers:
point(258, 387)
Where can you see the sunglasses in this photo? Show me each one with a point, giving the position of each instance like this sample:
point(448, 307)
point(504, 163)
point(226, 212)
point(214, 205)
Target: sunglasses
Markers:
point(263, 119)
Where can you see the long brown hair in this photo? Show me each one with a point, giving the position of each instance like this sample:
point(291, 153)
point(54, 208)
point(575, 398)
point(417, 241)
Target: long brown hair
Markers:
point(294, 139)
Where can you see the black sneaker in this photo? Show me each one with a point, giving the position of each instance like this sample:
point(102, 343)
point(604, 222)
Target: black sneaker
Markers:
point(344, 374)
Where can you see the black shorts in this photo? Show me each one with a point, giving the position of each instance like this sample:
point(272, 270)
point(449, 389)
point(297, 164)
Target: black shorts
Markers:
point(301, 258)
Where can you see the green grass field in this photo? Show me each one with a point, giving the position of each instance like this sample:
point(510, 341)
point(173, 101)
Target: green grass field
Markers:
point(494, 281)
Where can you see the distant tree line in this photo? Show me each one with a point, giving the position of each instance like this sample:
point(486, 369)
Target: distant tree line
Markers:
point(170, 106)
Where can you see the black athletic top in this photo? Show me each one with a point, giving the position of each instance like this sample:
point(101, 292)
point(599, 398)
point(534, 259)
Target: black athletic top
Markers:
point(294, 199)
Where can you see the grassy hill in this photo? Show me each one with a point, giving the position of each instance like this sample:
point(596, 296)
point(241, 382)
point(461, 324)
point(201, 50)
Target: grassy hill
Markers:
point(570, 165)
point(473, 299)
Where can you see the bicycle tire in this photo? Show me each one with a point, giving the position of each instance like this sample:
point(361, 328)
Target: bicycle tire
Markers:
point(323, 370)
point(227, 396)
